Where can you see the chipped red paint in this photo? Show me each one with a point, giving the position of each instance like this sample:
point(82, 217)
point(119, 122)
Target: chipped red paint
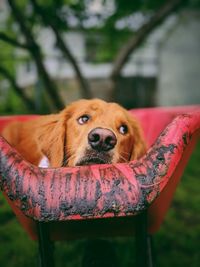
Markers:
point(97, 191)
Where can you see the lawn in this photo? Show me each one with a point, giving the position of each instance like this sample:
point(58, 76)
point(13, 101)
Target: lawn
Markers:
point(177, 242)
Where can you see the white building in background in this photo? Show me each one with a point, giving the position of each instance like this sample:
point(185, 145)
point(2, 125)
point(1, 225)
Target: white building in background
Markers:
point(179, 73)
point(144, 62)
point(170, 55)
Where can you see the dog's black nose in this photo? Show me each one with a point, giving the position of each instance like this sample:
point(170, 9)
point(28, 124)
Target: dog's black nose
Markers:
point(102, 139)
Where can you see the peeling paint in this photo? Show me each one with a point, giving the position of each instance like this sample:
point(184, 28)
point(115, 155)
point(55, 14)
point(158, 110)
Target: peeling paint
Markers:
point(95, 191)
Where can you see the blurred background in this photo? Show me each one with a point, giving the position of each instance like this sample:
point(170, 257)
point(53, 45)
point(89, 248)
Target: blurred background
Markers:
point(140, 53)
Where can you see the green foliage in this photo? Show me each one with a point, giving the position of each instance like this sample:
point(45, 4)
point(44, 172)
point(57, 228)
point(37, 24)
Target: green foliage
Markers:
point(15, 247)
point(12, 104)
point(177, 242)
point(61, 13)
point(103, 47)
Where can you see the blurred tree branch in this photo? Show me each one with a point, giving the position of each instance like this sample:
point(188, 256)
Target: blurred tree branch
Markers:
point(48, 21)
point(4, 37)
point(35, 51)
point(56, 15)
point(139, 37)
point(18, 90)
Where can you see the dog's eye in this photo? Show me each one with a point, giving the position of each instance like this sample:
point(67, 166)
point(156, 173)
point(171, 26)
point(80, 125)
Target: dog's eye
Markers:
point(83, 119)
point(123, 129)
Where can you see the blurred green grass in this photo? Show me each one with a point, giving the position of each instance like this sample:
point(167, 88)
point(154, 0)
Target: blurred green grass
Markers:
point(176, 243)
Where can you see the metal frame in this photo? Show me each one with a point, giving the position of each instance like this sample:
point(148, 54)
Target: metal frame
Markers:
point(145, 256)
point(46, 246)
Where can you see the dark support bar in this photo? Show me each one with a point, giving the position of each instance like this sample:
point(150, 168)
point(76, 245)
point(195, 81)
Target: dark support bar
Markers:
point(144, 253)
point(46, 246)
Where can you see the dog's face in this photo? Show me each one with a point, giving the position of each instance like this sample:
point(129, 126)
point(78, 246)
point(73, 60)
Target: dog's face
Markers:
point(92, 132)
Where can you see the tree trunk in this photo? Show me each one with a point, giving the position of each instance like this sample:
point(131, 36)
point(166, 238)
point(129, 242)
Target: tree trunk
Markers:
point(83, 84)
point(35, 51)
point(18, 90)
point(139, 37)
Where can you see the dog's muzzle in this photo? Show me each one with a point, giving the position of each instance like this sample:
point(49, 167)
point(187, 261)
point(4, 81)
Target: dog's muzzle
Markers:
point(102, 139)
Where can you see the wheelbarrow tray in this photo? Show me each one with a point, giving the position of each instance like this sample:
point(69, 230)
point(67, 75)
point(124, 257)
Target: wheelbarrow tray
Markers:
point(101, 200)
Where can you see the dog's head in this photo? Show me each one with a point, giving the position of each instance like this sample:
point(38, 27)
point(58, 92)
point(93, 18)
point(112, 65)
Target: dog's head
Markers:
point(90, 132)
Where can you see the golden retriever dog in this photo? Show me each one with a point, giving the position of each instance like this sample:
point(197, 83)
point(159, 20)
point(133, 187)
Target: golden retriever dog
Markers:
point(86, 132)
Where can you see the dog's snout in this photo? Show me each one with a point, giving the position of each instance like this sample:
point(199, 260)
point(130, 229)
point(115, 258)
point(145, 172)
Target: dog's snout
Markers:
point(102, 139)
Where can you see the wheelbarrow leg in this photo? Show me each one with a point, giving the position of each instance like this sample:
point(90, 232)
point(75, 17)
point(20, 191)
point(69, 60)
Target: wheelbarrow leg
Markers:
point(46, 246)
point(144, 248)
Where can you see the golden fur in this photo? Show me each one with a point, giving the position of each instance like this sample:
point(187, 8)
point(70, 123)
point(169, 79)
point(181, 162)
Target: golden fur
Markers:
point(64, 141)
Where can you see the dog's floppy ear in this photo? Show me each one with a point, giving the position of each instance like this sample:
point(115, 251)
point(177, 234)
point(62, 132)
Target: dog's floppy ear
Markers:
point(139, 145)
point(51, 138)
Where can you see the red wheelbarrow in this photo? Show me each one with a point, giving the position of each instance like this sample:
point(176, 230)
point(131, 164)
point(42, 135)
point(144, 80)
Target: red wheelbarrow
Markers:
point(103, 200)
